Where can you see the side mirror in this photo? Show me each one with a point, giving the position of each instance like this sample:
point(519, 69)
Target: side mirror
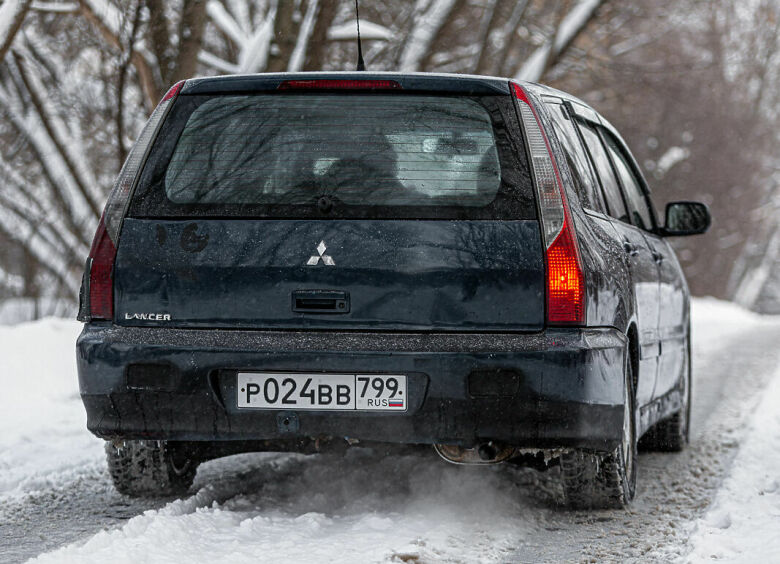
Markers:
point(686, 218)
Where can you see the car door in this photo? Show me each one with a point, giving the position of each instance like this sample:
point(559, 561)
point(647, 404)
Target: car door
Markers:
point(642, 267)
point(673, 316)
point(672, 289)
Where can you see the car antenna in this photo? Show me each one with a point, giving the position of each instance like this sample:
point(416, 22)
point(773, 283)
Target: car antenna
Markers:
point(361, 65)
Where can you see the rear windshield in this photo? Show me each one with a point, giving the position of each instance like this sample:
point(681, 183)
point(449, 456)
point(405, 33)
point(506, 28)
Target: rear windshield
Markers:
point(323, 154)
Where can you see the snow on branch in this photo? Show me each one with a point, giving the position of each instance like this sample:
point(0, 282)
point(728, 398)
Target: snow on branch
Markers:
point(253, 45)
point(430, 18)
point(254, 52)
point(58, 133)
point(551, 51)
point(347, 31)
point(298, 55)
point(61, 191)
point(225, 22)
point(109, 21)
point(12, 14)
point(217, 63)
point(60, 7)
point(108, 15)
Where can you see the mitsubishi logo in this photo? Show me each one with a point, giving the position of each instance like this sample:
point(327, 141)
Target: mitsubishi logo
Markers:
point(314, 260)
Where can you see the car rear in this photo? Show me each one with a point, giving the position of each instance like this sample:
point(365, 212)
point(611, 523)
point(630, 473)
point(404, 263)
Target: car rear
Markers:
point(287, 259)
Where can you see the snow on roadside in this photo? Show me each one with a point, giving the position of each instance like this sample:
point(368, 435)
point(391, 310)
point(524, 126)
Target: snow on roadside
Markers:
point(743, 524)
point(43, 437)
point(715, 322)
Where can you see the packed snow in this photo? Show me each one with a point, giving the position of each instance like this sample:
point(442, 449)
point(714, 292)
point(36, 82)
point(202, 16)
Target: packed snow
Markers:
point(42, 421)
point(743, 524)
point(365, 507)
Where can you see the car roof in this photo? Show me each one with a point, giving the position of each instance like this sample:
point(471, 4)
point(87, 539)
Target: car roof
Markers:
point(409, 81)
point(547, 91)
point(421, 81)
point(544, 90)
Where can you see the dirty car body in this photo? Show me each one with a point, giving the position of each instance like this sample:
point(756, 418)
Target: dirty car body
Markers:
point(302, 259)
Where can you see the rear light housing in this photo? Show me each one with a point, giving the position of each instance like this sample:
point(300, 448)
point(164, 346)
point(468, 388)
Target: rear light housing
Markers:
point(100, 264)
point(337, 84)
point(565, 281)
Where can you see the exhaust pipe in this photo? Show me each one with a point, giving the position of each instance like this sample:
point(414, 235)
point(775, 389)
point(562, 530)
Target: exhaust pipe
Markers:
point(487, 451)
point(484, 453)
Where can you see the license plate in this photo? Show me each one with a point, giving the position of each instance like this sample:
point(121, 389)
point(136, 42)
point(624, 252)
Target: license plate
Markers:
point(349, 392)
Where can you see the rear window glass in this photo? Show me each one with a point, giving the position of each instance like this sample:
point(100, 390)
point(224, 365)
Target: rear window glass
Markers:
point(355, 155)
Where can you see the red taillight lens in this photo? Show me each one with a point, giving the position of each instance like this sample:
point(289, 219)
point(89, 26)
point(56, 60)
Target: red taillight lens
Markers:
point(565, 282)
point(173, 91)
point(101, 274)
point(565, 279)
point(328, 84)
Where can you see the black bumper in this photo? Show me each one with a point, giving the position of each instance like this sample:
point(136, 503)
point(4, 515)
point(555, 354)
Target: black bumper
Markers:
point(559, 388)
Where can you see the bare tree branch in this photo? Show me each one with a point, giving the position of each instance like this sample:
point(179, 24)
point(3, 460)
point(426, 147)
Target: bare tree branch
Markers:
point(285, 32)
point(12, 13)
point(315, 58)
point(47, 120)
point(125, 62)
point(160, 38)
point(566, 33)
point(106, 26)
point(191, 25)
point(429, 19)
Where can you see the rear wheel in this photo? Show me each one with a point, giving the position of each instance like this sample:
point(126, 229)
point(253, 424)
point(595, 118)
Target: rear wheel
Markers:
point(598, 480)
point(149, 468)
point(672, 434)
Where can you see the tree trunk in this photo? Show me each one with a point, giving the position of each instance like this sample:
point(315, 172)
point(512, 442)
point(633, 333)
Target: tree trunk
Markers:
point(191, 25)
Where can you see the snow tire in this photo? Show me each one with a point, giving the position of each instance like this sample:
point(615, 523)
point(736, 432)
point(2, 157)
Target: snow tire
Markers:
point(599, 480)
point(149, 468)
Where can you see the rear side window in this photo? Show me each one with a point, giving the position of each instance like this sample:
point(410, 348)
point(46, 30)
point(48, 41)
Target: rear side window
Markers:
point(616, 206)
point(338, 155)
point(640, 212)
point(584, 181)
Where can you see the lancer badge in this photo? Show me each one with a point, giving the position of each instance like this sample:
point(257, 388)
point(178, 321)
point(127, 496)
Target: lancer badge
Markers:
point(315, 259)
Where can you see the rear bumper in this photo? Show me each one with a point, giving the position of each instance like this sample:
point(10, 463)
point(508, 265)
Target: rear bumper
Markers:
point(559, 388)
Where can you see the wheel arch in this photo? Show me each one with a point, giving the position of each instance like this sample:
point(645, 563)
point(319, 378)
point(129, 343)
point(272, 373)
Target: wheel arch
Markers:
point(632, 333)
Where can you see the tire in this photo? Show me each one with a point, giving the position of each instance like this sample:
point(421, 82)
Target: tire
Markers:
point(672, 434)
point(599, 480)
point(149, 468)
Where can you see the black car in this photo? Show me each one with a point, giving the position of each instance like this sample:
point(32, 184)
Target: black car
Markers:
point(314, 261)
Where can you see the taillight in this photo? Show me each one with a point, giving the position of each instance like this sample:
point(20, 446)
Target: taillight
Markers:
point(104, 245)
point(101, 269)
point(565, 283)
point(337, 84)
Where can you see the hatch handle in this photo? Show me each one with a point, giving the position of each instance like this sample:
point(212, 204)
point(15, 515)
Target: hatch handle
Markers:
point(320, 301)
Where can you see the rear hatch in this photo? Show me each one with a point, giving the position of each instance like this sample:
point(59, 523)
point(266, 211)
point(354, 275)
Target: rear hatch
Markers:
point(371, 208)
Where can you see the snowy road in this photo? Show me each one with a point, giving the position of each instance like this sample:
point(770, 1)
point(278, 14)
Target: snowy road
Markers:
point(56, 500)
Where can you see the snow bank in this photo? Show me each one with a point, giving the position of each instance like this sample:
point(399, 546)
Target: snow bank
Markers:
point(42, 421)
point(743, 524)
point(715, 322)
